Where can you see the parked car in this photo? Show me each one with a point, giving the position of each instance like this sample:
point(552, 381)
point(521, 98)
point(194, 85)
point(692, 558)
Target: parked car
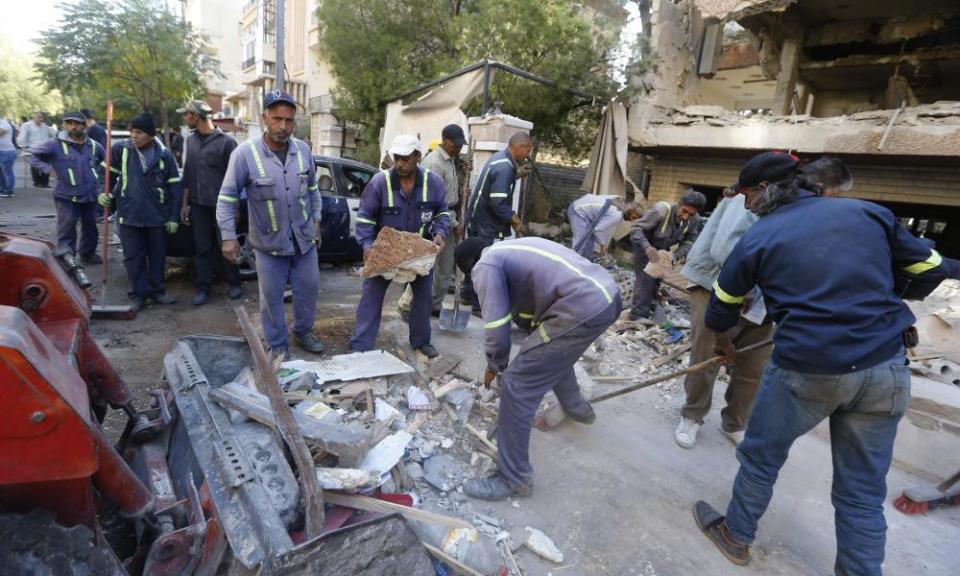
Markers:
point(341, 182)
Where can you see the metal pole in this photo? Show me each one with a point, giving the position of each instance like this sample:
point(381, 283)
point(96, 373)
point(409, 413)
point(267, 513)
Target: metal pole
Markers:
point(486, 87)
point(278, 82)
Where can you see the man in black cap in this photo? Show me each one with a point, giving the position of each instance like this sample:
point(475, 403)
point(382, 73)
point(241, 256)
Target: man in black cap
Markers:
point(146, 196)
point(284, 209)
point(443, 162)
point(75, 158)
point(94, 130)
point(206, 157)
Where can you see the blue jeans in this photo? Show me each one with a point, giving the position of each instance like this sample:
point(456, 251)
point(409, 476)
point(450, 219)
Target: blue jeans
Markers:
point(7, 182)
point(864, 408)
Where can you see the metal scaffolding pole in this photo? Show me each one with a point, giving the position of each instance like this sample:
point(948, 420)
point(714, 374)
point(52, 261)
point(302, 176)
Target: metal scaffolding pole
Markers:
point(278, 82)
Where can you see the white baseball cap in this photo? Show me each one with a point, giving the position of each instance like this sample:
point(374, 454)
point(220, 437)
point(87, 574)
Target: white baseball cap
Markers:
point(405, 145)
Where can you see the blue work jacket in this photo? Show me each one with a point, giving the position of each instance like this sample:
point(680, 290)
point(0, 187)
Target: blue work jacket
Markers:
point(538, 285)
point(833, 272)
point(283, 200)
point(76, 164)
point(490, 206)
point(384, 203)
point(144, 198)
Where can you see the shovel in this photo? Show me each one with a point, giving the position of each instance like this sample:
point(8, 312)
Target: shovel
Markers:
point(454, 320)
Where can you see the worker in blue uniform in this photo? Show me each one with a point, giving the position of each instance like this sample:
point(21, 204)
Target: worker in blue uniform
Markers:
point(833, 273)
point(284, 209)
point(410, 199)
point(489, 211)
point(564, 302)
point(145, 193)
point(76, 158)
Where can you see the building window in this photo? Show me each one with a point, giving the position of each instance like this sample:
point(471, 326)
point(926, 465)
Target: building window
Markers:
point(248, 38)
point(269, 22)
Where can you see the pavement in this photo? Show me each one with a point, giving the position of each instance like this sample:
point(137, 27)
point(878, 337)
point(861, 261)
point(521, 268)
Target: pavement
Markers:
point(615, 497)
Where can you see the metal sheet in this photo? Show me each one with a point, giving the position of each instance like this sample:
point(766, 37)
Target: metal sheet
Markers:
point(356, 366)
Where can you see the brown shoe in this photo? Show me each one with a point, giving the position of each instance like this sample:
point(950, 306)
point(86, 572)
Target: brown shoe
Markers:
point(711, 523)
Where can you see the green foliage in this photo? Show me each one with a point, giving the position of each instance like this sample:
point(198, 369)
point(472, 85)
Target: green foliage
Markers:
point(134, 52)
point(20, 93)
point(377, 49)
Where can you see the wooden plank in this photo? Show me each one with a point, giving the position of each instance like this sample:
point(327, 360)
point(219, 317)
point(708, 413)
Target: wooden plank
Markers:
point(375, 505)
point(442, 365)
point(482, 437)
point(348, 444)
point(266, 379)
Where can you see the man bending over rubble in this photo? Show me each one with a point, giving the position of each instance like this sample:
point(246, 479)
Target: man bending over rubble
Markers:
point(564, 302)
point(824, 267)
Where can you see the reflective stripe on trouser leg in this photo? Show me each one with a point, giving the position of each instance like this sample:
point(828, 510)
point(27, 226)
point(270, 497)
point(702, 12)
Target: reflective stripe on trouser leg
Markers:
point(272, 275)
point(533, 373)
point(419, 326)
point(305, 280)
point(368, 313)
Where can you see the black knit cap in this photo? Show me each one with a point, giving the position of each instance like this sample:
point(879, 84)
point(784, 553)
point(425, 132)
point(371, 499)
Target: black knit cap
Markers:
point(467, 253)
point(144, 123)
point(772, 166)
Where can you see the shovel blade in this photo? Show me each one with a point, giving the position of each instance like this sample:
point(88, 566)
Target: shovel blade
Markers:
point(453, 320)
point(113, 312)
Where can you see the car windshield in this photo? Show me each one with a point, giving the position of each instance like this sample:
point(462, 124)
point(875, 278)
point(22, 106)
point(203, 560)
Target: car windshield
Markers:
point(357, 179)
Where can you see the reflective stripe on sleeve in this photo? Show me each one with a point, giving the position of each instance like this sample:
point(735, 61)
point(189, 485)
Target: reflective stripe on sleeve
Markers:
point(172, 180)
point(498, 323)
point(724, 297)
point(559, 260)
point(543, 334)
point(313, 188)
point(366, 221)
point(226, 198)
point(498, 195)
point(920, 267)
point(123, 170)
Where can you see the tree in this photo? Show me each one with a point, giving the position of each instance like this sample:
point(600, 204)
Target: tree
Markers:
point(378, 49)
point(20, 93)
point(134, 52)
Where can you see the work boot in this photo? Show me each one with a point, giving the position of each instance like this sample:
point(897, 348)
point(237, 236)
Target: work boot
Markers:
point(711, 523)
point(92, 258)
point(200, 298)
point(429, 351)
point(280, 352)
point(309, 342)
point(686, 432)
point(588, 417)
point(136, 304)
point(235, 292)
point(735, 437)
point(163, 298)
point(494, 488)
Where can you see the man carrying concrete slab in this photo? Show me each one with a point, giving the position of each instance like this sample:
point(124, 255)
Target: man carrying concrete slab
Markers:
point(564, 302)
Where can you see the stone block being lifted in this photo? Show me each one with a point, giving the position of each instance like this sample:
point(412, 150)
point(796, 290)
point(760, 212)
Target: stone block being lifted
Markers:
point(400, 256)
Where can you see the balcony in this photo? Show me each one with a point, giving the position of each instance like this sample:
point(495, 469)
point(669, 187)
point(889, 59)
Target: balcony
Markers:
point(251, 5)
point(248, 63)
point(321, 104)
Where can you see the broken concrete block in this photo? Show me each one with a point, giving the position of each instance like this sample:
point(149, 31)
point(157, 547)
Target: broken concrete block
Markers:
point(443, 472)
point(400, 256)
point(541, 545)
point(347, 478)
point(384, 412)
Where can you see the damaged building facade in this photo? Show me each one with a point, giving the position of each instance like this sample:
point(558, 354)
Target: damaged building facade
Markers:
point(875, 82)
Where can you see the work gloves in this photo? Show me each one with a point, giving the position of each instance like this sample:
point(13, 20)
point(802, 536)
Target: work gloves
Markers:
point(104, 199)
point(171, 227)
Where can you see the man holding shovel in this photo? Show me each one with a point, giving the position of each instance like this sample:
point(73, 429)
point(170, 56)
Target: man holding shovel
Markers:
point(564, 302)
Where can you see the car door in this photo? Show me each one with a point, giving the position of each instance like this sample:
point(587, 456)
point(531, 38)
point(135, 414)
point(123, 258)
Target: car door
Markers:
point(336, 228)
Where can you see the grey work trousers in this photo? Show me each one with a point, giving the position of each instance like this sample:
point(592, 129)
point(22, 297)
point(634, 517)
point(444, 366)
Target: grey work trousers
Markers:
point(644, 286)
point(443, 271)
point(302, 272)
point(534, 372)
point(744, 375)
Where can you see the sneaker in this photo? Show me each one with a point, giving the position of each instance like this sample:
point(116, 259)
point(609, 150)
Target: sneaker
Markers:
point(588, 417)
point(712, 524)
point(686, 432)
point(6, 194)
point(494, 488)
point(136, 304)
point(309, 342)
point(93, 258)
point(235, 292)
point(429, 351)
point(163, 298)
point(200, 298)
point(735, 437)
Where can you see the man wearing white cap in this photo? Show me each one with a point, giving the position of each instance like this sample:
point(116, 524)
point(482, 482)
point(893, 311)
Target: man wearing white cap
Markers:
point(409, 199)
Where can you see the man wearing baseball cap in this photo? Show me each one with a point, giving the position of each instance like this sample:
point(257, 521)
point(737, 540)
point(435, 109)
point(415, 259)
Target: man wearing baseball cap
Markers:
point(284, 208)
point(75, 159)
point(833, 273)
point(443, 161)
point(410, 199)
point(206, 156)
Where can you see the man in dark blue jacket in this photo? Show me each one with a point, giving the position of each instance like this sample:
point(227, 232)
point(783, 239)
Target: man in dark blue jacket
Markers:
point(833, 272)
point(409, 199)
point(76, 159)
point(146, 195)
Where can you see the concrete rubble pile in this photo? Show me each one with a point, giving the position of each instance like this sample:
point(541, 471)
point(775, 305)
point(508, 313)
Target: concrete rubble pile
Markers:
point(403, 442)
